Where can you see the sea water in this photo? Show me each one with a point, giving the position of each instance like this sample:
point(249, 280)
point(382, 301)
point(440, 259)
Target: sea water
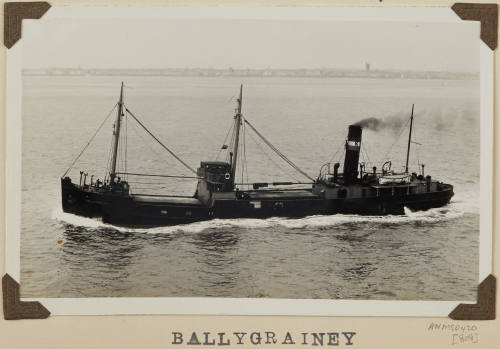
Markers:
point(431, 255)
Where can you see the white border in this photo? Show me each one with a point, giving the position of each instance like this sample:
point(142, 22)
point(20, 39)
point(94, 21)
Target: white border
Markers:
point(13, 161)
point(243, 306)
point(487, 82)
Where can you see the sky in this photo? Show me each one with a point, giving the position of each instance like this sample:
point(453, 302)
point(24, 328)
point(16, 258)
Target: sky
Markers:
point(209, 43)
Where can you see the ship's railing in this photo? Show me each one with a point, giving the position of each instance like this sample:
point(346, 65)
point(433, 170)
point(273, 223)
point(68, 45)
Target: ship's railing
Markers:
point(366, 172)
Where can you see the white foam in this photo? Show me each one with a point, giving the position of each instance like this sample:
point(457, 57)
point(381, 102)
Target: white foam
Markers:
point(430, 216)
point(79, 221)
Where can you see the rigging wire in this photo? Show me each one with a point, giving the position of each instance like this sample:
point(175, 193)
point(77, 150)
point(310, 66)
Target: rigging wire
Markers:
point(338, 150)
point(90, 141)
point(225, 139)
point(231, 144)
point(137, 184)
point(126, 142)
point(159, 142)
point(242, 152)
point(141, 136)
point(277, 151)
point(120, 152)
point(108, 165)
point(239, 167)
point(397, 139)
point(418, 145)
point(363, 150)
point(245, 151)
point(242, 145)
point(155, 188)
point(270, 159)
point(362, 154)
point(158, 175)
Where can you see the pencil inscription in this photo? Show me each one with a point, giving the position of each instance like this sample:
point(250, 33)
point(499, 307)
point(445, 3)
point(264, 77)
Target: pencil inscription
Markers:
point(460, 334)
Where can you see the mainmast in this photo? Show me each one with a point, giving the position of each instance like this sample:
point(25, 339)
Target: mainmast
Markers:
point(116, 135)
point(409, 139)
point(237, 118)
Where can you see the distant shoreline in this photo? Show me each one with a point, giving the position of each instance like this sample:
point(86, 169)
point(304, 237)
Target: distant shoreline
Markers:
point(230, 72)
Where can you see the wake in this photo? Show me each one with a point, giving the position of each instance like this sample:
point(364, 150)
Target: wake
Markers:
point(435, 215)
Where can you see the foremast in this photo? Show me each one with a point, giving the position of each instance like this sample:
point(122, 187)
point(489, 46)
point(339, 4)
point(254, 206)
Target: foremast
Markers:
point(409, 139)
point(116, 137)
point(237, 120)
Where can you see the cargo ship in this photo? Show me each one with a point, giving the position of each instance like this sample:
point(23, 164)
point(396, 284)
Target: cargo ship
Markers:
point(354, 190)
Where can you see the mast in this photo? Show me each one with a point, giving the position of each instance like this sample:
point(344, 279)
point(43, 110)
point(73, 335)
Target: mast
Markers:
point(237, 118)
point(116, 135)
point(409, 139)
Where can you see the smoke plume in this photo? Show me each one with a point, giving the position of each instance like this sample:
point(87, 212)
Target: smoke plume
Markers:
point(393, 122)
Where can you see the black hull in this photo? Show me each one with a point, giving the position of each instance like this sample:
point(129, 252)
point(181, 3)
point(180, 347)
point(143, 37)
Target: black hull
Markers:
point(128, 211)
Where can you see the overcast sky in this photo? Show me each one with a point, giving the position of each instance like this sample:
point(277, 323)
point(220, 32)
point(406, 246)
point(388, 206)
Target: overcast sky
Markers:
point(205, 43)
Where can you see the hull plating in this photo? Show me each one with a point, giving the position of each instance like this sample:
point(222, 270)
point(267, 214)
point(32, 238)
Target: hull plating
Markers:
point(127, 211)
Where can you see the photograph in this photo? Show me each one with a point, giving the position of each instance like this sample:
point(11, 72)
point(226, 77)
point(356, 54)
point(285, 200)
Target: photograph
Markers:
point(184, 155)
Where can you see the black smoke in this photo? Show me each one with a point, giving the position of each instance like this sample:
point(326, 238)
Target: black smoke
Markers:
point(393, 122)
point(440, 119)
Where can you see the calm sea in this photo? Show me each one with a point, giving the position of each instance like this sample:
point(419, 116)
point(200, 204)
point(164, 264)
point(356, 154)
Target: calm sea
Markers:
point(429, 255)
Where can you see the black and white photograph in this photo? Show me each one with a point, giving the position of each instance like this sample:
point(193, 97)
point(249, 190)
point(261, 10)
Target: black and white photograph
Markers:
point(195, 156)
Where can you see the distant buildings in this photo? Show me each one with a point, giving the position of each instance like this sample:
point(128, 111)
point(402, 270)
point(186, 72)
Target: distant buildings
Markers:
point(268, 72)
